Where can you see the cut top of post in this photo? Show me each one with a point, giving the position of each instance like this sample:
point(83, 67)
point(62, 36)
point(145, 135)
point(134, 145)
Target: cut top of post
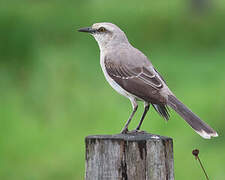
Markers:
point(132, 136)
point(133, 156)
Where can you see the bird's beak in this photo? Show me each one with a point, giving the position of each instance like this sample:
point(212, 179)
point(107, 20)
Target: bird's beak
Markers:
point(87, 29)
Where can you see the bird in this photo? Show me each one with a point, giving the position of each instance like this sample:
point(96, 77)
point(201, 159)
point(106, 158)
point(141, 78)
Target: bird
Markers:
point(132, 75)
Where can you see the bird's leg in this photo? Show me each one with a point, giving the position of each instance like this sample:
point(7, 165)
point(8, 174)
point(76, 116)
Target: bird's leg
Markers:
point(146, 105)
point(135, 106)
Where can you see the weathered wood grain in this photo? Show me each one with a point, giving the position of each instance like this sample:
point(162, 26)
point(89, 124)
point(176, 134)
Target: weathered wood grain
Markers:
point(133, 156)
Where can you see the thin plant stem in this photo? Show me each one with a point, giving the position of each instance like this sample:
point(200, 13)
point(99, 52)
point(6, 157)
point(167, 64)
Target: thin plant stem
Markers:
point(195, 152)
point(202, 168)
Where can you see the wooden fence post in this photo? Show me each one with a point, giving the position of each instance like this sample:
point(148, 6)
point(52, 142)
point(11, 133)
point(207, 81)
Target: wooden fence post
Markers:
point(132, 156)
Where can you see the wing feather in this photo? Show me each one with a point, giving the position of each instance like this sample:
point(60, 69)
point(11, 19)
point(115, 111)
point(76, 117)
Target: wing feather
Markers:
point(142, 73)
point(143, 82)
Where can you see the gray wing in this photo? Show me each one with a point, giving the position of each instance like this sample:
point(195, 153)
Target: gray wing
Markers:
point(141, 81)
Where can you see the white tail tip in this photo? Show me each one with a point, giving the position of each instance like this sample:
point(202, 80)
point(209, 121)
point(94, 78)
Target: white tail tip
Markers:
point(207, 135)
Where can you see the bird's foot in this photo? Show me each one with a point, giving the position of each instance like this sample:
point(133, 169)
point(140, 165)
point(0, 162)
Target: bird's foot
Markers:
point(124, 131)
point(137, 131)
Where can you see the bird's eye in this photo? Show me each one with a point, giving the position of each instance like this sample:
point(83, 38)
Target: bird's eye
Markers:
point(101, 29)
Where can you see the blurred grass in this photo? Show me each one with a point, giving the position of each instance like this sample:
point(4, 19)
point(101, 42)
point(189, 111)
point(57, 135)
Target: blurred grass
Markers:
point(53, 92)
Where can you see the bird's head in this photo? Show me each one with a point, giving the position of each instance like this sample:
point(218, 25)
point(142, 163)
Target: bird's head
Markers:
point(106, 34)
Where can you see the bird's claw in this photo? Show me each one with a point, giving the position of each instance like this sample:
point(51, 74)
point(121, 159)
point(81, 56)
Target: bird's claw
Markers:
point(124, 131)
point(135, 131)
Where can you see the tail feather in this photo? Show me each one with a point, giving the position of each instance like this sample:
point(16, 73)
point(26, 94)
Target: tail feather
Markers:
point(162, 110)
point(193, 120)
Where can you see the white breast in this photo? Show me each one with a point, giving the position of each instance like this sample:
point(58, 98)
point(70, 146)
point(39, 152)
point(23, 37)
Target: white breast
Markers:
point(112, 83)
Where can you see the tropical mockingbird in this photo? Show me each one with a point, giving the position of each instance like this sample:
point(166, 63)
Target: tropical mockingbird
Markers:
point(132, 75)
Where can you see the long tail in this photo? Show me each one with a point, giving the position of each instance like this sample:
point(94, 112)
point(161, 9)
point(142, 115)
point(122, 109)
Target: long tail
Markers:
point(194, 121)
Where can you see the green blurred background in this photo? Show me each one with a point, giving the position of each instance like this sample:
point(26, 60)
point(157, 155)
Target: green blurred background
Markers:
point(53, 92)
